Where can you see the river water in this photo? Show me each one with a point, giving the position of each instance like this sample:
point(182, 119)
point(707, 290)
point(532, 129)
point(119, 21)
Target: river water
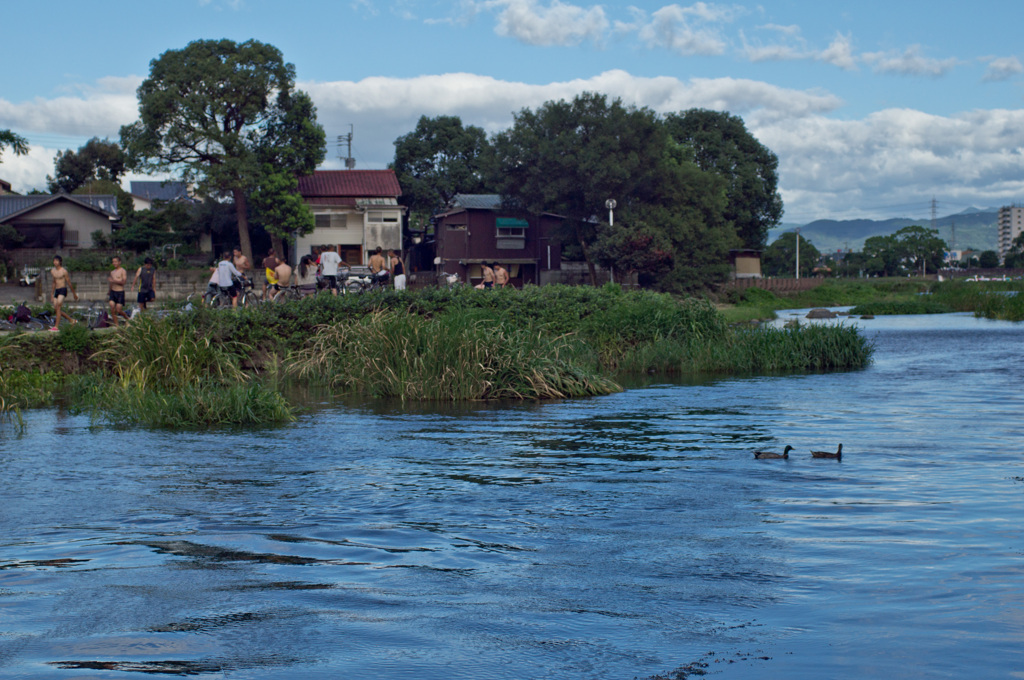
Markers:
point(615, 537)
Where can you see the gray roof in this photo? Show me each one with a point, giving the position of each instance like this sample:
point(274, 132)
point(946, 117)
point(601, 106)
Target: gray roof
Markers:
point(160, 190)
point(11, 205)
point(477, 201)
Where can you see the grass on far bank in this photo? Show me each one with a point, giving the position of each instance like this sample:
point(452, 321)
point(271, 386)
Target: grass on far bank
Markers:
point(991, 299)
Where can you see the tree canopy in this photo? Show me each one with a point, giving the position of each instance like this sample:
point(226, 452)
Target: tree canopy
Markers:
point(217, 113)
point(720, 143)
point(439, 159)
point(779, 259)
point(17, 143)
point(912, 248)
point(95, 160)
point(570, 157)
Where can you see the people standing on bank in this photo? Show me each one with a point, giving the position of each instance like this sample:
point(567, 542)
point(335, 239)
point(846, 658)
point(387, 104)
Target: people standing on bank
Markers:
point(283, 273)
point(146, 274)
point(306, 276)
point(500, 275)
point(329, 261)
point(117, 279)
point(270, 263)
point(488, 276)
point(226, 274)
point(398, 270)
point(61, 283)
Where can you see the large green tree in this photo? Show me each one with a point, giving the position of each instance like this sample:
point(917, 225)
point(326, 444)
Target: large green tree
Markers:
point(217, 112)
point(571, 157)
point(439, 159)
point(720, 143)
point(17, 143)
point(779, 259)
point(912, 248)
point(97, 159)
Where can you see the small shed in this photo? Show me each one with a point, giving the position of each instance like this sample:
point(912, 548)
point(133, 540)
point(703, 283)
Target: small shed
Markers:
point(745, 263)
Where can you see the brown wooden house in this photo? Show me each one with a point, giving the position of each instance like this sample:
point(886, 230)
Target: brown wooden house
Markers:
point(474, 229)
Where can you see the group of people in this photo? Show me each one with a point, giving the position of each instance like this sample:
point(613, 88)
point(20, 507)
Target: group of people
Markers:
point(117, 279)
point(494, 276)
point(231, 272)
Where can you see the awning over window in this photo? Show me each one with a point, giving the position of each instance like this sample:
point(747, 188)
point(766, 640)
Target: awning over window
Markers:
point(511, 222)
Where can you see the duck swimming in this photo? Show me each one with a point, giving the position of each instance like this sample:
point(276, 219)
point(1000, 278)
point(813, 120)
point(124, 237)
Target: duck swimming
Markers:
point(828, 454)
point(768, 455)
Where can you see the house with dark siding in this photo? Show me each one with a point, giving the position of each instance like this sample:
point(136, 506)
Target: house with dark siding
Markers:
point(474, 229)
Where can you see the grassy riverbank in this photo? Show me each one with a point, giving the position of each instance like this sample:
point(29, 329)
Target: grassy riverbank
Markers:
point(990, 299)
point(221, 366)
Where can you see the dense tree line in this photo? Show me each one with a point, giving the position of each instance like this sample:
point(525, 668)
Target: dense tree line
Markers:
point(688, 187)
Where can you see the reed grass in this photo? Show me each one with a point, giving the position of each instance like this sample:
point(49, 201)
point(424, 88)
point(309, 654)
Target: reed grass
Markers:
point(454, 356)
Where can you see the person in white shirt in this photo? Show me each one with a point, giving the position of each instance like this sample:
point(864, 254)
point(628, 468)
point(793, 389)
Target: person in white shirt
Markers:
point(225, 271)
point(329, 261)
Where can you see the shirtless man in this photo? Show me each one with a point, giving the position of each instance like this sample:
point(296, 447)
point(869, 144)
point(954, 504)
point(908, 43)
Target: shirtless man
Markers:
point(283, 275)
point(377, 262)
point(500, 276)
point(241, 262)
point(488, 276)
point(61, 282)
point(116, 280)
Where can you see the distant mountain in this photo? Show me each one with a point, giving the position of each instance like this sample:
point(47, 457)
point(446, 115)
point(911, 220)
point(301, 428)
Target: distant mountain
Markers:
point(975, 228)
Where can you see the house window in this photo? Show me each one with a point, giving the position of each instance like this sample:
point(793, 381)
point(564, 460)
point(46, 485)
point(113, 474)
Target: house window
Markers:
point(379, 216)
point(511, 234)
point(456, 227)
point(331, 220)
point(71, 238)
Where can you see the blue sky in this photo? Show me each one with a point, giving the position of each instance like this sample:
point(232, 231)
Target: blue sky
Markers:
point(873, 108)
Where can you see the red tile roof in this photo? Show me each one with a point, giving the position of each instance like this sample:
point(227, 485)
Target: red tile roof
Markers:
point(351, 183)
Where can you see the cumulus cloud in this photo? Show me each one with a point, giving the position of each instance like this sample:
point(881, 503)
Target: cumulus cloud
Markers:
point(843, 169)
point(910, 62)
point(839, 53)
point(1002, 68)
point(695, 29)
point(556, 24)
point(828, 167)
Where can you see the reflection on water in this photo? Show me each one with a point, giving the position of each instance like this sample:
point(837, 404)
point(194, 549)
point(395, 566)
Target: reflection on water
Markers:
point(614, 537)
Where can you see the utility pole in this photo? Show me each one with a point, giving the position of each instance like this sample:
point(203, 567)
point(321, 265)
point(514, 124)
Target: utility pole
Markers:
point(798, 253)
point(350, 162)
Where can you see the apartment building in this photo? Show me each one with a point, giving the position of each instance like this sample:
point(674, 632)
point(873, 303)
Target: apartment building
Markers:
point(1011, 225)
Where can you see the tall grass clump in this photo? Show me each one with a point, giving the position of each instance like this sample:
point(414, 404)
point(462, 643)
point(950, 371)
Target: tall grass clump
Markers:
point(773, 350)
point(164, 373)
point(988, 299)
point(455, 356)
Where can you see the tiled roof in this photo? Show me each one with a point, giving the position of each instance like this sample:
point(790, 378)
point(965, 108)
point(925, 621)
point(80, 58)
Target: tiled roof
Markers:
point(160, 191)
point(354, 183)
point(12, 205)
point(477, 201)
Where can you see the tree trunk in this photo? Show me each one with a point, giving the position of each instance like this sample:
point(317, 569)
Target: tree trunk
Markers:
point(278, 243)
point(586, 255)
point(241, 211)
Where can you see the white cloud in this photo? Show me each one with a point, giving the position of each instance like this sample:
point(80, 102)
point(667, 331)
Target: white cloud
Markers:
point(910, 62)
point(828, 167)
point(686, 30)
point(556, 24)
point(843, 169)
point(839, 53)
point(1003, 68)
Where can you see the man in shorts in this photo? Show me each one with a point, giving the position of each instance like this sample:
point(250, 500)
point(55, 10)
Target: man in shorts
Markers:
point(398, 267)
point(500, 275)
point(117, 278)
point(488, 274)
point(61, 283)
point(329, 262)
point(145, 277)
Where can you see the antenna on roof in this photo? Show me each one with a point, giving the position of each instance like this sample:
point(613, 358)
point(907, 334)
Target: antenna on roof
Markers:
point(350, 162)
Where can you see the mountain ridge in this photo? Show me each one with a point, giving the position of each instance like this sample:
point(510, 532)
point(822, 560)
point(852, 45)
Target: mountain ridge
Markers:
point(976, 229)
